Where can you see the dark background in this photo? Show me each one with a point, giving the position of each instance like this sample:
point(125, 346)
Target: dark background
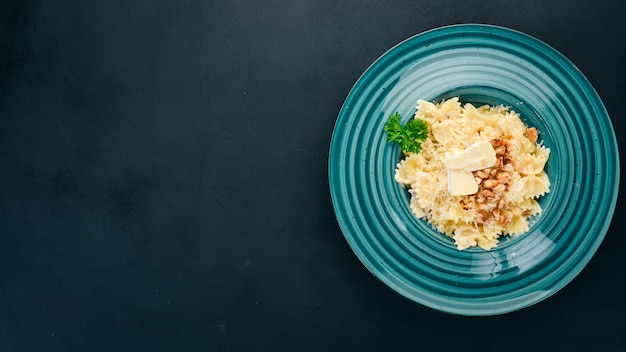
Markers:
point(164, 185)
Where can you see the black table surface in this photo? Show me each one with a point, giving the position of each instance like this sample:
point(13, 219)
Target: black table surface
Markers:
point(164, 180)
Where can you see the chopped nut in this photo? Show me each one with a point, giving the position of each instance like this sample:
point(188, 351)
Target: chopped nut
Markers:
point(481, 174)
point(496, 142)
point(498, 163)
point(487, 193)
point(502, 176)
point(490, 183)
point(496, 214)
point(504, 219)
point(532, 134)
point(482, 216)
point(467, 203)
point(499, 188)
point(509, 167)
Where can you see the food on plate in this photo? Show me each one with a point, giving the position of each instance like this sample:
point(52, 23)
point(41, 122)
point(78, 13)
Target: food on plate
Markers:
point(477, 173)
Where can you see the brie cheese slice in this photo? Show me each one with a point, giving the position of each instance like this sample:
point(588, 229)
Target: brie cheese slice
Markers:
point(477, 156)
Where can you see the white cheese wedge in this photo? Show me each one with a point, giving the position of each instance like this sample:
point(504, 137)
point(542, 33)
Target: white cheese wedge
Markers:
point(461, 182)
point(477, 156)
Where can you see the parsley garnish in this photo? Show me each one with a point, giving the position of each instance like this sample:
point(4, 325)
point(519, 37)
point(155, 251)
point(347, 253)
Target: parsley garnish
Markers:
point(409, 137)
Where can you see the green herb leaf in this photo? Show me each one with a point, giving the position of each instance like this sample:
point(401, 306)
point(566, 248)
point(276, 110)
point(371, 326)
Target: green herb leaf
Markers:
point(409, 137)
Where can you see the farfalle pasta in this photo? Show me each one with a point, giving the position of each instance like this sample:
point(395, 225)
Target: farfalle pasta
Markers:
point(507, 191)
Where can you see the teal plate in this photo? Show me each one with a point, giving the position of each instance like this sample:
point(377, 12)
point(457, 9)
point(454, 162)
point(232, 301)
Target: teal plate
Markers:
point(484, 65)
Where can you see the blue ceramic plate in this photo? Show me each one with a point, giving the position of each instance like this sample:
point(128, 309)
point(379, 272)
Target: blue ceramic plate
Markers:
point(484, 65)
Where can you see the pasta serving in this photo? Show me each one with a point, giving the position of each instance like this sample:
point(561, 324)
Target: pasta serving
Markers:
point(503, 188)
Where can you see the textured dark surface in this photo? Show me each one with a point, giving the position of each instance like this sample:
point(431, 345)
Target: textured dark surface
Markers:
point(163, 178)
